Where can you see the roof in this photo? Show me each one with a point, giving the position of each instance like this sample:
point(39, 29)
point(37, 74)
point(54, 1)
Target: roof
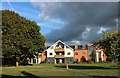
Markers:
point(89, 44)
point(62, 43)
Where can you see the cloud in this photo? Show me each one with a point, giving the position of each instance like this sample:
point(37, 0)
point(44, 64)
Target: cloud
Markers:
point(83, 21)
point(43, 16)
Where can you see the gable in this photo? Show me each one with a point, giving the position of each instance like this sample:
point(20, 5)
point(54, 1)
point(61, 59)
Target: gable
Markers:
point(59, 44)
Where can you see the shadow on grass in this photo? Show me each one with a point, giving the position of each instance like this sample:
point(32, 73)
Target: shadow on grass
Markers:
point(29, 75)
point(8, 76)
point(26, 64)
point(19, 65)
point(85, 67)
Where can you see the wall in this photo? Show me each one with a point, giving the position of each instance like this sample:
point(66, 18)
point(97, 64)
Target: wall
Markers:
point(69, 60)
point(51, 60)
point(50, 51)
point(79, 56)
point(71, 52)
point(43, 56)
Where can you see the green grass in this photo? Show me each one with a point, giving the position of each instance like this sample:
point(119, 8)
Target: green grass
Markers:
point(42, 70)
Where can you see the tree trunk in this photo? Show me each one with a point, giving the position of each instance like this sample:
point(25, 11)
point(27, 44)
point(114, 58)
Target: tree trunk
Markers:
point(16, 63)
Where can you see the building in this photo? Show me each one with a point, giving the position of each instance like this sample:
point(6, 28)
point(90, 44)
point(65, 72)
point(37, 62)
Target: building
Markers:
point(60, 53)
point(35, 59)
point(100, 54)
point(43, 56)
point(80, 53)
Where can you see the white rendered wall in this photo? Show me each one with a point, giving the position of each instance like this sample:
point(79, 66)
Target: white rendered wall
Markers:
point(102, 55)
point(50, 51)
point(71, 52)
point(97, 59)
point(39, 60)
point(66, 50)
point(97, 55)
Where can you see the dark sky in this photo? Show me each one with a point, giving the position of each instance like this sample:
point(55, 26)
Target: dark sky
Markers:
point(83, 21)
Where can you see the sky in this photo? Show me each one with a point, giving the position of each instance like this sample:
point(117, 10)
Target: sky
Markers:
point(71, 22)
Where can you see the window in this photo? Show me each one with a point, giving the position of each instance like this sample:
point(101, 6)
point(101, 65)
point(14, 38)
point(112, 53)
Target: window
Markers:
point(83, 46)
point(76, 53)
point(68, 53)
point(83, 53)
point(79, 47)
point(50, 53)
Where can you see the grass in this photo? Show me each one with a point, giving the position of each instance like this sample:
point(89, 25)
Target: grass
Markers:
point(49, 70)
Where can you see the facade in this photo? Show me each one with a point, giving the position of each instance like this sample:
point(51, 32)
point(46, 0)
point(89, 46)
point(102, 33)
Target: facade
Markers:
point(36, 59)
point(60, 53)
point(80, 53)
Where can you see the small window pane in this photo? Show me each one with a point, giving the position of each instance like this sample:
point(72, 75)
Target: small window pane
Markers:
point(83, 53)
point(68, 53)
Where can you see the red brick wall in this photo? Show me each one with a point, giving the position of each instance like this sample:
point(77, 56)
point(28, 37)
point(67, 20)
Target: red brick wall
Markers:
point(80, 55)
point(43, 56)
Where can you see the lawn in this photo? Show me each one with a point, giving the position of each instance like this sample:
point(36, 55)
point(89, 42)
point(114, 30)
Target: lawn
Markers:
point(55, 70)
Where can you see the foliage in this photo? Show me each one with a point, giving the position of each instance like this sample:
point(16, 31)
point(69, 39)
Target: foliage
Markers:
point(20, 37)
point(110, 42)
point(76, 61)
point(93, 56)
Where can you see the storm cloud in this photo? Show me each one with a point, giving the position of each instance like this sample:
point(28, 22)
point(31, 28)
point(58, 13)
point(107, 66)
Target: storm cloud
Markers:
point(83, 21)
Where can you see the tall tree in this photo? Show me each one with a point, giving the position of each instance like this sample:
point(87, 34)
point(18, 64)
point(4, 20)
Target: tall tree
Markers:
point(20, 37)
point(110, 42)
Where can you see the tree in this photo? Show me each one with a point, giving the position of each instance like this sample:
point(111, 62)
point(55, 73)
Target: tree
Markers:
point(20, 37)
point(110, 42)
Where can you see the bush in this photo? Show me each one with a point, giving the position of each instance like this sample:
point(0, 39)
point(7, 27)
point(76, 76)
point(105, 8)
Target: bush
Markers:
point(43, 62)
point(89, 61)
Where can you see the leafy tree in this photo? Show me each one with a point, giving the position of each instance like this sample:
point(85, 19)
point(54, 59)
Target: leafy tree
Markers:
point(110, 42)
point(20, 37)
